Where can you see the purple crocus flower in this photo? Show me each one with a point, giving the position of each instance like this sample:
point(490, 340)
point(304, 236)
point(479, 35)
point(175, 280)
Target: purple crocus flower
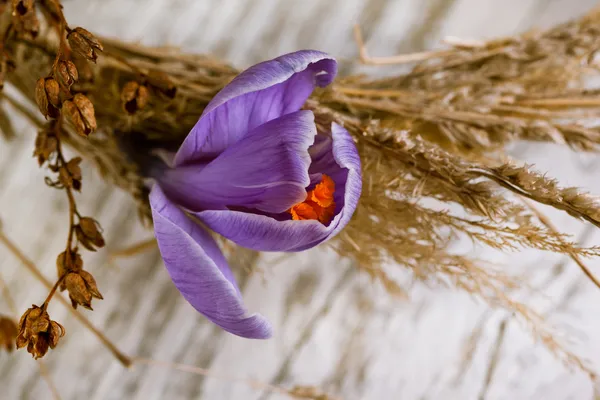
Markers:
point(256, 170)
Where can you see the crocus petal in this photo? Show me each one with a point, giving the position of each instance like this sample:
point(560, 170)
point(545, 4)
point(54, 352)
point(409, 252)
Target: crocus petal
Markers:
point(264, 233)
point(267, 170)
point(259, 94)
point(199, 270)
point(346, 156)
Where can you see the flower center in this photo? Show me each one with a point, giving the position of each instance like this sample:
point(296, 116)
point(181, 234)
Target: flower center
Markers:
point(319, 204)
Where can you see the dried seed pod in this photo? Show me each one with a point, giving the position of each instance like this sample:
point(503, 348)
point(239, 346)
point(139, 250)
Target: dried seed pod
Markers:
point(24, 19)
point(45, 145)
point(84, 43)
point(86, 108)
point(47, 93)
point(66, 73)
point(87, 241)
point(64, 177)
point(162, 83)
point(134, 97)
point(74, 168)
point(91, 233)
point(72, 112)
point(80, 112)
point(38, 332)
point(68, 261)
point(82, 288)
point(70, 174)
point(52, 91)
point(8, 333)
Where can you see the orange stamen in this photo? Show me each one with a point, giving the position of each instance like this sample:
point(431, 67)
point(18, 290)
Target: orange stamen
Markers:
point(322, 194)
point(319, 204)
point(302, 211)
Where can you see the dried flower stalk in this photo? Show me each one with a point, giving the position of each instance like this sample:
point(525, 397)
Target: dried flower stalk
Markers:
point(9, 332)
point(126, 360)
point(32, 268)
point(61, 104)
point(437, 132)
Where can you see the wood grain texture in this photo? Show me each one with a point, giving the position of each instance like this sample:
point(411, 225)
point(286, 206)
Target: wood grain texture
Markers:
point(334, 328)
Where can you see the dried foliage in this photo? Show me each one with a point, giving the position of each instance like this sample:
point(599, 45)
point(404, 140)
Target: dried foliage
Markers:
point(60, 105)
point(436, 134)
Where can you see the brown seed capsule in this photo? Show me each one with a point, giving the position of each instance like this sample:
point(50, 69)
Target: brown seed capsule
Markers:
point(47, 97)
point(82, 288)
point(38, 332)
point(80, 112)
point(162, 83)
point(70, 174)
point(134, 97)
point(66, 73)
point(53, 91)
point(84, 43)
point(64, 177)
point(82, 239)
point(89, 234)
point(67, 262)
point(74, 168)
point(86, 108)
point(8, 333)
point(70, 110)
point(45, 146)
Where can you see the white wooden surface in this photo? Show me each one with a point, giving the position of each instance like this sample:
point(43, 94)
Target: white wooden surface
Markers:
point(334, 329)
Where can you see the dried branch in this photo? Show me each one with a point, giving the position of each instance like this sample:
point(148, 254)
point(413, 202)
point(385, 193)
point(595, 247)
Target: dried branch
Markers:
point(31, 267)
point(433, 135)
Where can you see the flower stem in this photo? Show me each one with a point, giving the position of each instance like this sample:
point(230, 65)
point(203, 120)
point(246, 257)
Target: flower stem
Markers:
point(124, 359)
point(52, 291)
point(72, 205)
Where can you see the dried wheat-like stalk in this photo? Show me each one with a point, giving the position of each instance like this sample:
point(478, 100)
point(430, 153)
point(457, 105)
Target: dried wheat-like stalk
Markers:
point(437, 132)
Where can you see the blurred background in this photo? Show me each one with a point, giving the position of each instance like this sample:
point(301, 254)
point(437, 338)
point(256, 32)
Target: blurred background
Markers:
point(334, 329)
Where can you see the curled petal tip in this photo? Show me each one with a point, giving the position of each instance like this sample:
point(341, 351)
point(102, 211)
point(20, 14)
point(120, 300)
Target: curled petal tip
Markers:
point(199, 270)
